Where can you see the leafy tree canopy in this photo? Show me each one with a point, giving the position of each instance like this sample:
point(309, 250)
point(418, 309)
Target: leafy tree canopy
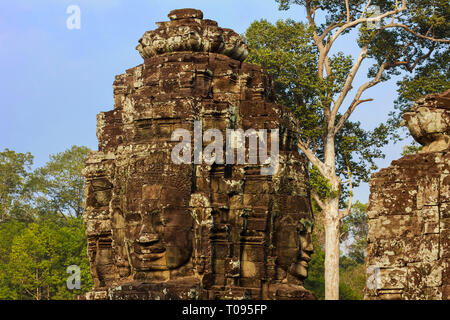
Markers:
point(41, 229)
point(286, 50)
point(63, 183)
point(16, 185)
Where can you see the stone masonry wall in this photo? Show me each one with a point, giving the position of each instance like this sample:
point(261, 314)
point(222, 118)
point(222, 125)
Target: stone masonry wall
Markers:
point(409, 213)
point(161, 230)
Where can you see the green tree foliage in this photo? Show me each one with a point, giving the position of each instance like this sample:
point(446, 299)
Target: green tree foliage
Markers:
point(8, 231)
point(39, 257)
point(432, 77)
point(316, 280)
point(63, 182)
point(355, 227)
point(323, 89)
point(352, 275)
point(411, 149)
point(35, 252)
point(286, 50)
point(16, 185)
point(352, 279)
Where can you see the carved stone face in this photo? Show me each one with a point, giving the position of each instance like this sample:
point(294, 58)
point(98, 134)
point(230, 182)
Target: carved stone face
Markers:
point(294, 245)
point(426, 124)
point(160, 237)
point(159, 240)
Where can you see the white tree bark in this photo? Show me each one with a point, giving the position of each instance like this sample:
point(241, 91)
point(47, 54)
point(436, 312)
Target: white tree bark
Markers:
point(332, 226)
point(327, 167)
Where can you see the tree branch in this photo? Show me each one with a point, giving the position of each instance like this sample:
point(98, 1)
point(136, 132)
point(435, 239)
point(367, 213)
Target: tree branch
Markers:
point(317, 199)
point(348, 10)
point(405, 27)
point(328, 29)
point(356, 22)
point(425, 56)
point(327, 66)
point(365, 9)
point(348, 84)
point(356, 101)
point(346, 212)
point(317, 40)
point(313, 158)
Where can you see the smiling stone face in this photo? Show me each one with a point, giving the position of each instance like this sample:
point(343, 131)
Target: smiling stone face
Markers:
point(152, 224)
point(293, 246)
point(159, 240)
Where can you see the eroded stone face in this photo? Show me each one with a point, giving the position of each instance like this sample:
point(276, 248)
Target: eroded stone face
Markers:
point(294, 245)
point(158, 238)
point(161, 230)
point(409, 209)
point(429, 122)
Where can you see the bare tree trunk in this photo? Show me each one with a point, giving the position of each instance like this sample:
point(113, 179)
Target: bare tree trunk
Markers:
point(37, 288)
point(332, 249)
point(324, 40)
point(331, 214)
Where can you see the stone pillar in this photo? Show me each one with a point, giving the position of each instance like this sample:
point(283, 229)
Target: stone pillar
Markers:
point(409, 212)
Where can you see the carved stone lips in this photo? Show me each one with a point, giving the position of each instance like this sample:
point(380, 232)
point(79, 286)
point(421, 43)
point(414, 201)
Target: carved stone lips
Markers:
point(150, 257)
point(304, 263)
point(152, 250)
point(305, 259)
point(149, 252)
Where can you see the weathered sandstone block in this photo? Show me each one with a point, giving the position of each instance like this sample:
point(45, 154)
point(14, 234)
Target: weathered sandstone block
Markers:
point(409, 212)
point(429, 122)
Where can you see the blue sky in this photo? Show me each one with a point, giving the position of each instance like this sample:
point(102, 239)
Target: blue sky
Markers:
point(55, 80)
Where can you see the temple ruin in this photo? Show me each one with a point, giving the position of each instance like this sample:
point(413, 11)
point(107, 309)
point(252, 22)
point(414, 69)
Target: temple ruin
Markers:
point(157, 229)
point(409, 212)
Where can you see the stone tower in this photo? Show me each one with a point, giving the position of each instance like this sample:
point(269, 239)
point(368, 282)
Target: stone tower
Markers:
point(165, 226)
point(409, 212)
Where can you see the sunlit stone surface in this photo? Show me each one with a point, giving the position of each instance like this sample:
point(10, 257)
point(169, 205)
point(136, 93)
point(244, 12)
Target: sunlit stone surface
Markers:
point(409, 212)
point(160, 230)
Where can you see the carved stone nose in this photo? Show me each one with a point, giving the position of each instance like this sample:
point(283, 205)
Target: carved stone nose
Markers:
point(309, 247)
